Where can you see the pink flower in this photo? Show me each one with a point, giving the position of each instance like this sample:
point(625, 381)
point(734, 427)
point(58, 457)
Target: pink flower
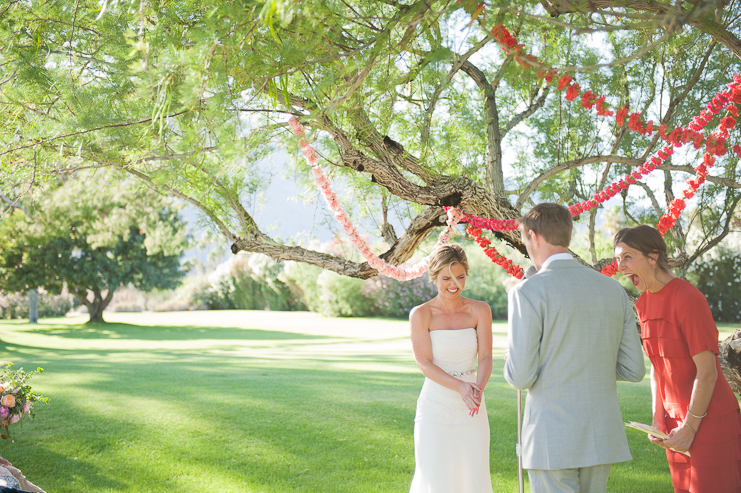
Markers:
point(296, 127)
point(27, 407)
point(14, 418)
point(8, 400)
point(4, 411)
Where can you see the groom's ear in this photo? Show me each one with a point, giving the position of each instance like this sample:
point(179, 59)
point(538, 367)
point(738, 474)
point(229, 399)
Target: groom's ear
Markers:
point(535, 238)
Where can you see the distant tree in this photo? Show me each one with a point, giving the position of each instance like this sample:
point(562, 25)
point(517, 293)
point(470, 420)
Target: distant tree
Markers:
point(93, 237)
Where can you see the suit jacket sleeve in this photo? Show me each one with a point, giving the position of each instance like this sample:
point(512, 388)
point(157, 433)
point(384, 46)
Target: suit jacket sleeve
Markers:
point(630, 365)
point(523, 341)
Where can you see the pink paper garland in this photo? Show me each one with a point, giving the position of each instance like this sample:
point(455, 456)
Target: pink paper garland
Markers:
point(325, 187)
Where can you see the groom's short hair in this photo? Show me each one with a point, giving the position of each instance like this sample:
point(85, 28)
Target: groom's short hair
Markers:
point(551, 221)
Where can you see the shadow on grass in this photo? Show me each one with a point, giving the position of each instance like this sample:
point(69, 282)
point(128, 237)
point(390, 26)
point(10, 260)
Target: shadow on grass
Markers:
point(277, 429)
point(190, 420)
point(163, 332)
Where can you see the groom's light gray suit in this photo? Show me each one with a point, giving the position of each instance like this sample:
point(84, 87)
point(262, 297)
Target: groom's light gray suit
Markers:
point(572, 335)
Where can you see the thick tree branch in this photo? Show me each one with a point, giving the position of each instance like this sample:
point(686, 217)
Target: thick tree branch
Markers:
point(494, 172)
point(385, 148)
point(667, 15)
point(399, 253)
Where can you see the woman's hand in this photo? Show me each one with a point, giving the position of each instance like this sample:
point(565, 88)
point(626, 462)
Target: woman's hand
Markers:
point(661, 426)
point(680, 438)
point(471, 395)
point(4, 462)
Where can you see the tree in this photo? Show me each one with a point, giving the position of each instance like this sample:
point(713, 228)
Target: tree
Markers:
point(415, 106)
point(411, 105)
point(93, 237)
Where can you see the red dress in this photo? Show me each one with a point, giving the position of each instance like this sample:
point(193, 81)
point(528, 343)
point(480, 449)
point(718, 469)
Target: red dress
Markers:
point(676, 324)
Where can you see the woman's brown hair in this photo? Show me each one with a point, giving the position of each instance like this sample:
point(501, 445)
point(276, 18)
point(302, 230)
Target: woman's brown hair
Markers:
point(647, 240)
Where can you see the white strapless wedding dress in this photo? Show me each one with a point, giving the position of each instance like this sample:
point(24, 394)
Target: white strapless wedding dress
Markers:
point(451, 448)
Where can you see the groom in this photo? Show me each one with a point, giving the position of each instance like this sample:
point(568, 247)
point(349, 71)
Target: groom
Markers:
point(572, 334)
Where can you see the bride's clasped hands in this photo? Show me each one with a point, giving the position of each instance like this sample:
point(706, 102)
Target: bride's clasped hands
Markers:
point(471, 395)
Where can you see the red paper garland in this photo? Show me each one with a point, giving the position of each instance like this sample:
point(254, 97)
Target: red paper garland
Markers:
point(715, 143)
point(493, 254)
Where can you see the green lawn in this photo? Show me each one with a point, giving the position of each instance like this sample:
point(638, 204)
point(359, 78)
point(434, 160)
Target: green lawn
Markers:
point(249, 402)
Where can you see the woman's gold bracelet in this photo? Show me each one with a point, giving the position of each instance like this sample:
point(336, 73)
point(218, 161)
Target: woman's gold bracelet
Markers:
point(695, 415)
point(691, 428)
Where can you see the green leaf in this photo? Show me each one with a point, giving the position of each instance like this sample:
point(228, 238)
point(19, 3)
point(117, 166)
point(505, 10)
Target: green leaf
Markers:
point(438, 55)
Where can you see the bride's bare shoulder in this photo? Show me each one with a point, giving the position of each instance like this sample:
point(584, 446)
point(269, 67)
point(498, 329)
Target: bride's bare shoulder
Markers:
point(478, 306)
point(421, 312)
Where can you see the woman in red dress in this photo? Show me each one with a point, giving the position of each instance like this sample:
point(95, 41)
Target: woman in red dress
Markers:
point(692, 401)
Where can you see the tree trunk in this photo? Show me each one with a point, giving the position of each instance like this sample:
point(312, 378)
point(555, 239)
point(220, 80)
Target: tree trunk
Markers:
point(730, 360)
point(33, 306)
point(96, 313)
point(98, 304)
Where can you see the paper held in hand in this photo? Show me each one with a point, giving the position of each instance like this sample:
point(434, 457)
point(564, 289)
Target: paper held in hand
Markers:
point(652, 431)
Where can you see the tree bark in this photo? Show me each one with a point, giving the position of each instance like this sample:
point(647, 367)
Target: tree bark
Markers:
point(98, 304)
point(669, 16)
point(33, 306)
point(730, 360)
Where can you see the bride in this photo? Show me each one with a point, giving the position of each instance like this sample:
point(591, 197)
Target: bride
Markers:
point(451, 428)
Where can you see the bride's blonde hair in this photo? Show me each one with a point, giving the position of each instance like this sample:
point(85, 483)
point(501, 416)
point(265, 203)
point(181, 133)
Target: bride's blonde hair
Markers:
point(446, 256)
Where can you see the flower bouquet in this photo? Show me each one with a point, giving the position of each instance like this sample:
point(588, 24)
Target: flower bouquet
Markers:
point(16, 397)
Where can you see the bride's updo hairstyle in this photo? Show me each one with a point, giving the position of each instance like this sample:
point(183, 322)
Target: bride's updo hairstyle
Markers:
point(443, 258)
point(646, 239)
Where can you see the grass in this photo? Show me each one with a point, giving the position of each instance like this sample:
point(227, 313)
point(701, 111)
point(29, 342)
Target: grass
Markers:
point(249, 402)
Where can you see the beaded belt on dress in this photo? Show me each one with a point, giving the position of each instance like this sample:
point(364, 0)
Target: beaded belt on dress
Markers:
point(460, 373)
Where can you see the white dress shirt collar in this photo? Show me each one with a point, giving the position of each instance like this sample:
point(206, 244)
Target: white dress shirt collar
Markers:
point(554, 257)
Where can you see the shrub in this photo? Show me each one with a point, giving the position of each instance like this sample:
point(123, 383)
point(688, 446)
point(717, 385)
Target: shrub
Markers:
point(302, 280)
point(259, 276)
point(395, 299)
point(125, 306)
point(245, 282)
point(342, 296)
point(718, 277)
point(15, 305)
